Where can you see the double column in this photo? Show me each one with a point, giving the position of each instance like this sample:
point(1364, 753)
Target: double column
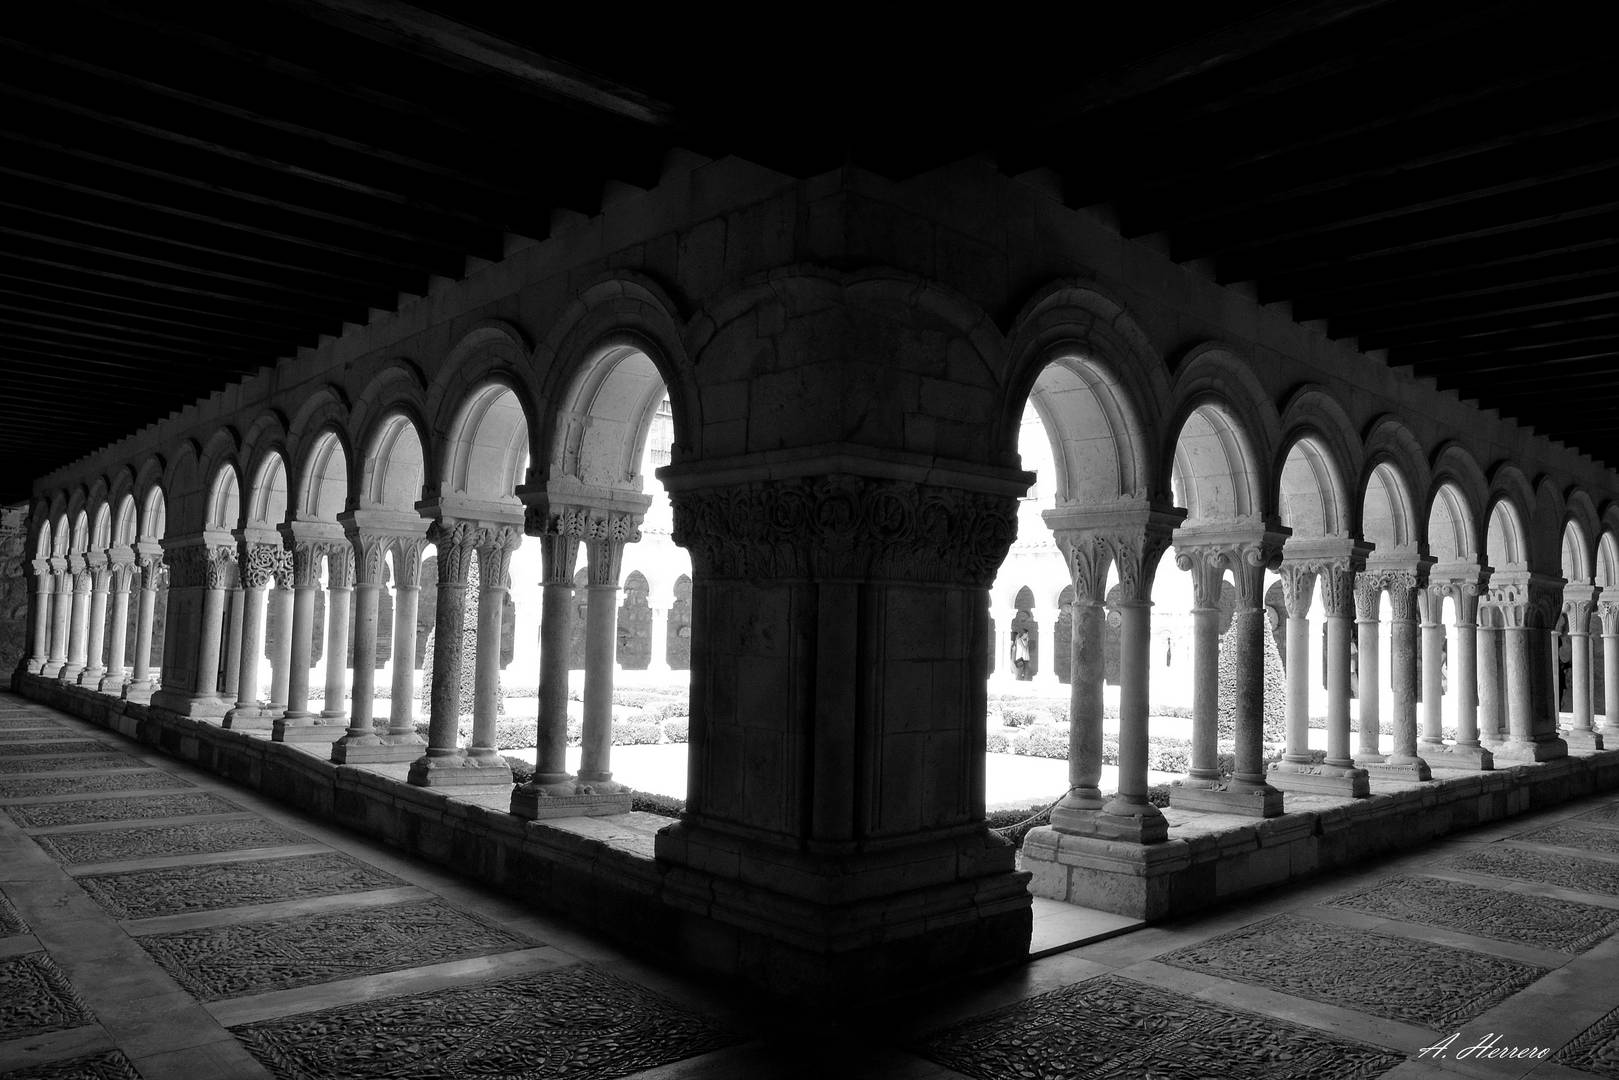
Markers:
point(44, 590)
point(121, 563)
point(1246, 550)
point(1527, 604)
point(559, 532)
point(151, 568)
point(490, 537)
point(1462, 585)
point(1131, 539)
point(61, 609)
point(1332, 563)
point(78, 621)
point(1579, 603)
point(1608, 612)
point(202, 570)
point(1403, 579)
point(101, 575)
point(373, 537)
point(261, 560)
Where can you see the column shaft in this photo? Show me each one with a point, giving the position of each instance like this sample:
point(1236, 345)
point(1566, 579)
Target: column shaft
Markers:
point(79, 629)
point(1135, 666)
point(61, 617)
point(338, 603)
point(1610, 685)
point(402, 695)
point(486, 673)
point(551, 755)
point(365, 659)
point(1466, 683)
point(1370, 691)
point(1084, 796)
point(1338, 631)
point(94, 667)
point(1580, 676)
point(118, 635)
point(140, 673)
point(1205, 694)
point(209, 641)
point(1519, 699)
point(1403, 653)
point(444, 702)
point(41, 645)
point(1488, 672)
point(601, 625)
point(247, 678)
point(1298, 688)
point(281, 601)
point(300, 647)
point(1433, 651)
point(233, 644)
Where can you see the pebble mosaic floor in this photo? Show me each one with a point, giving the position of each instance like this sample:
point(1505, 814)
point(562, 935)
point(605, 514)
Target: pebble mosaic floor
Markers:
point(159, 923)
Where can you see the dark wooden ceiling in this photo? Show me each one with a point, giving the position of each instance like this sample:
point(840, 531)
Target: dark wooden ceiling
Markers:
point(188, 195)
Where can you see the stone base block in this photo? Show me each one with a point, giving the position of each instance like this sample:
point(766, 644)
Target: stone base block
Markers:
point(1131, 879)
point(51, 670)
point(378, 749)
point(307, 729)
point(1336, 780)
point(184, 703)
point(112, 683)
point(459, 771)
point(1582, 741)
point(1472, 758)
point(1410, 771)
point(70, 674)
point(90, 678)
point(250, 718)
point(1520, 752)
point(1247, 802)
point(537, 804)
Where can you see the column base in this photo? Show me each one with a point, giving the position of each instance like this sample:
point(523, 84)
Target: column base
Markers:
point(52, 669)
point(458, 771)
point(1228, 797)
point(1131, 879)
point(139, 691)
point(248, 718)
point(1351, 783)
point(851, 926)
point(33, 666)
point(112, 682)
point(70, 673)
point(185, 703)
point(1474, 758)
point(1609, 732)
point(375, 749)
point(91, 677)
point(1076, 813)
point(539, 802)
point(589, 785)
point(1398, 767)
point(303, 729)
point(1519, 752)
point(334, 714)
point(1583, 741)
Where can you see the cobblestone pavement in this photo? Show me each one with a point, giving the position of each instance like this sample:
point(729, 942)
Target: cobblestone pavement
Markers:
point(158, 922)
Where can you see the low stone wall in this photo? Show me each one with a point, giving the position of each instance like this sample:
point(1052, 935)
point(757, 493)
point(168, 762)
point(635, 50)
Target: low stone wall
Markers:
point(1213, 858)
point(14, 585)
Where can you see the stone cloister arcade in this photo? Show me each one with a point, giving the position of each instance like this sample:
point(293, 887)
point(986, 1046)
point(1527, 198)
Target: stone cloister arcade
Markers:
point(845, 477)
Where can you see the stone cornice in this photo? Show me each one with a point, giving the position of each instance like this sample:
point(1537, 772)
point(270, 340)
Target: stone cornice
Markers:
point(846, 459)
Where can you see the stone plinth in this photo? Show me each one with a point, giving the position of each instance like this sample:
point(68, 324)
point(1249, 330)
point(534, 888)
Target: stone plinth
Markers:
point(1319, 779)
point(376, 749)
point(1225, 798)
point(541, 807)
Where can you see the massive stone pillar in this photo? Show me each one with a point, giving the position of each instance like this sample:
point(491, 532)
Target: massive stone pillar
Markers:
point(1608, 611)
point(100, 571)
point(1463, 587)
point(1403, 584)
point(78, 625)
point(1527, 603)
point(61, 617)
point(150, 562)
point(833, 833)
point(1368, 598)
point(1245, 549)
point(1579, 600)
point(40, 646)
point(260, 560)
point(559, 532)
point(1132, 539)
point(122, 562)
point(202, 569)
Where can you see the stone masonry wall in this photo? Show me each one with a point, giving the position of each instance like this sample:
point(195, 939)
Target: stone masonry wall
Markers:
point(13, 585)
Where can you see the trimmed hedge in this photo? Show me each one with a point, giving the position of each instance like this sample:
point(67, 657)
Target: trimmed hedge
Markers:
point(677, 730)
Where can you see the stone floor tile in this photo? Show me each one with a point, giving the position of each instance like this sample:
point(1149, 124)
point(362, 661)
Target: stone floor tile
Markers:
point(75, 762)
point(227, 1060)
point(106, 1065)
point(308, 907)
point(38, 997)
point(574, 1022)
point(1112, 1027)
point(143, 893)
point(14, 788)
point(1582, 839)
point(17, 1055)
point(1538, 921)
point(1398, 978)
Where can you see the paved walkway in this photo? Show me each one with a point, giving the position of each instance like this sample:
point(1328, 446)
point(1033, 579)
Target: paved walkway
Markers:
point(158, 922)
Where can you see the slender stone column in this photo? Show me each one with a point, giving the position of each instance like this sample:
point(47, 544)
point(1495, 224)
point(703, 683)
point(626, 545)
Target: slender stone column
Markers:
point(78, 629)
point(139, 688)
point(658, 662)
point(559, 534)
point(41, 643)
point(100, 581)
point(233, 641)
point(61, 618)
point(1430, 603)
point(1518, 674)
point(369, 551)
point(122, 562)
point(1609, 612)
point(255, 580)
point(1298, 589)
point(1368, 597)
point(1045, 669)
point(1403, 761)
point(306, 558)
point(1089, 554)
point(1488, 665)
point(281, 599)
point(339, 587)
point(604, 550)
point(444, 762)
point(495, 546)
point(402, 694)
point(1579, 599)
point(1462, 584)
point(1337, 591)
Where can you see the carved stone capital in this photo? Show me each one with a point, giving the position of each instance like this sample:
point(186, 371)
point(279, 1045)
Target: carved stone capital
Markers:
point(559, 554)
point(1522, 598)
point(370, 548)
point(219, 567)
point(1368, 594)
point(1579, 603)
point(1207, 571)
point(259, 564)
point(43, 573)
point(1298, 587)
point(456, 542)
point(408, 560)
point(1464, 593)
point(152, 569)
point(495, 546)
point(1402, 586)
point(340, 566)
point(845, 527)
point(1608, 612)
point(1089, 557)
point(1247, 551)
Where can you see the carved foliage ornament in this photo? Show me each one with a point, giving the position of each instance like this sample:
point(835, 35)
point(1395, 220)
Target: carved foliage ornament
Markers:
point(1402, 586)
point(495, 547)
point(1464, 594)
point(846, 527)
point(455, 543)
point(259, 564)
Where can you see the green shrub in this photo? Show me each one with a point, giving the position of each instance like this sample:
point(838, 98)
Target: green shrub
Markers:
point(996, 742)
point(677, 730)
point(1014, 825)
point(521, 691)
point(1017, 716)
point(637, 733)
point(575, 732)
point(1044, 741)
point(1158, 794)
point(522, 771)
point(667, 710)
point(1058, 711)
point(657, 804)
point(1169, 755)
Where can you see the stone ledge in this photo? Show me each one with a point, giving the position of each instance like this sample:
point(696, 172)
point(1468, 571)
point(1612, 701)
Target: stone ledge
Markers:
point(1211, 857)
